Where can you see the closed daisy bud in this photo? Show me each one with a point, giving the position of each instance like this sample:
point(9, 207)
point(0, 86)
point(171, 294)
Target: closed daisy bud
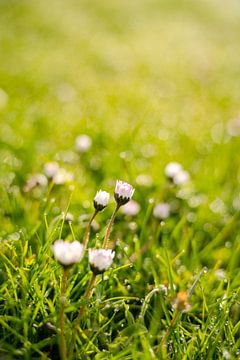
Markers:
point(68, 253)
point(50, 169)
point(181, 178)
point(62, 176)
point(100, 260)
point(101, 200)
point(83, 143)
point(123, 192)
point(67, 217)
point(161, 211)
point(34, 181)
point(132, 208)
point(172, 169)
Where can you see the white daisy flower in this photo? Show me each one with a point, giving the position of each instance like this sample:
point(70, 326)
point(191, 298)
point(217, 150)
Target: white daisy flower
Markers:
point(100, 259)
point(101, 200)
point(83, 143)
point(123, 192)
point(68, 253)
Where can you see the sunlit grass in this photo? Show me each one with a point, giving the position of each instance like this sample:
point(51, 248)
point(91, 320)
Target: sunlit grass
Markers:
point(150, 82)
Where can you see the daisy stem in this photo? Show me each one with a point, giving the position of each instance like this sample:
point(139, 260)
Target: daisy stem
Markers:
point(50, 187)
point(109, 228)
point(87, 295)
point(63, 348)
point(88, 228)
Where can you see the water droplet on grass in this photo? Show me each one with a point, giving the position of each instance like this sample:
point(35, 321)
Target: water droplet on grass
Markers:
point(205, 270)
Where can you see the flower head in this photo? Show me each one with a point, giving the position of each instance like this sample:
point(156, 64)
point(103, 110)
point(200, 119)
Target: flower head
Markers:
point(67, 217)
point(50, 169)
point(62, 176)
point(101, 200)
point(181, 178)
point(83, 143)
point(132, 208)
point(100, 259)
point(161, 211)
point(176, 174)
point(123, 192)
point(172, 169)
point(68, 253)
point(34, 181)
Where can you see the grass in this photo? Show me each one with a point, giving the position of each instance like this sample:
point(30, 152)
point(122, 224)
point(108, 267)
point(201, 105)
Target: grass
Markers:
point(150, 82)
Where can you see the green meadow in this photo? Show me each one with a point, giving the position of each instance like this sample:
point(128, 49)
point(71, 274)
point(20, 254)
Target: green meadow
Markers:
point(150, 82)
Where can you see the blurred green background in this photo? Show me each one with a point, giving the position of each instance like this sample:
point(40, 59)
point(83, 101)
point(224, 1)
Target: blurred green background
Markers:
point(150, 81)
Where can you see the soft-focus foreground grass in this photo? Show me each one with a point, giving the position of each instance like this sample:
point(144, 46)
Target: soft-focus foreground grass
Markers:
point(150, 82)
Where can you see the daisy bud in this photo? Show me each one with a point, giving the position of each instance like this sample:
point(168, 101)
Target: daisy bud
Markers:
point(161, 211)
point(67, 217)
point(181, 178)
point(132, 208)
point(100, 260)
point(101, 200)
point(68, 253)
point(62, 176)
point(34, 181)
point(172, 169)
point(50, 169)
point(83, 143)
point(123, 192)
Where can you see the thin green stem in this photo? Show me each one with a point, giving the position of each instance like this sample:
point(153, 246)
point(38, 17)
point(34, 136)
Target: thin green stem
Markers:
point(63, 347)
point(50, 188)
point(88, 229)
point(109, 228)
point(170, 328)
point(65, 214)
point(87, 295)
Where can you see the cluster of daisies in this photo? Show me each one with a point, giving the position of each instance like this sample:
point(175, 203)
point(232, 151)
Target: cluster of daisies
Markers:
point(53, 172)
point(68, 253)
point(177, 177)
